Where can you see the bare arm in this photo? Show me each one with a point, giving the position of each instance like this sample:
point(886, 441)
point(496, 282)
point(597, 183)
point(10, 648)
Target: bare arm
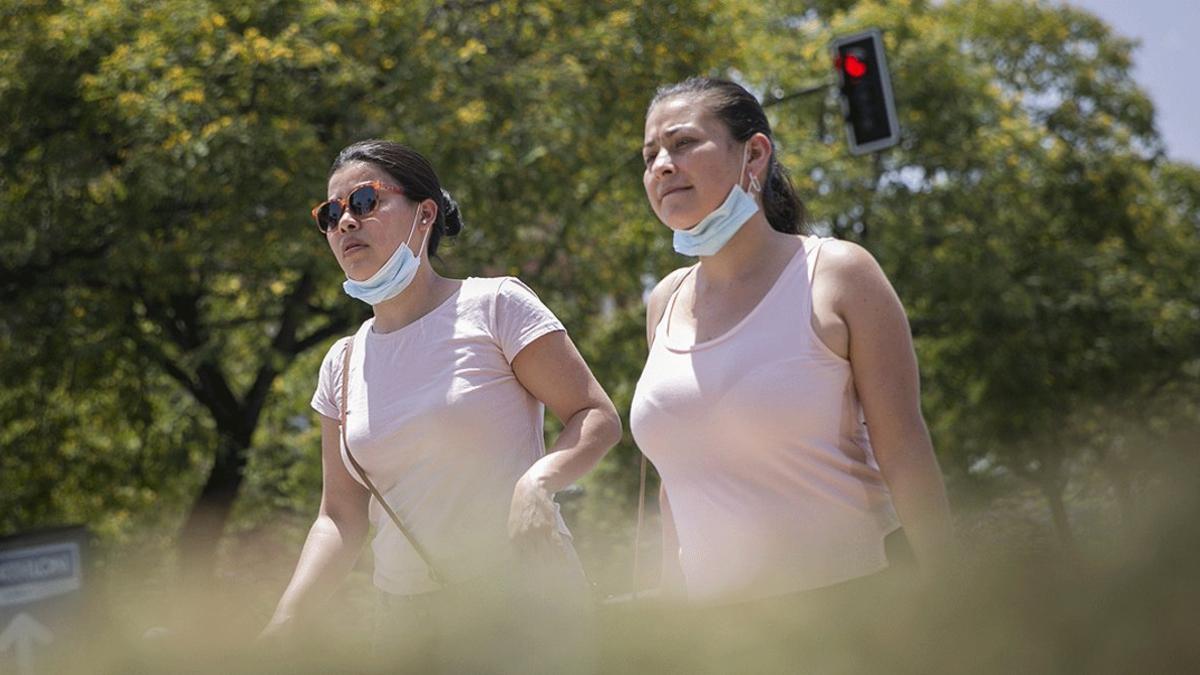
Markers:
point(886, 378)
point(552, 370)
point(335, 539)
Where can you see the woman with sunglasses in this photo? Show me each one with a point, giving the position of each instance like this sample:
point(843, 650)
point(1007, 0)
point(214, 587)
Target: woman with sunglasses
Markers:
point(443, 402)
point(770, 359)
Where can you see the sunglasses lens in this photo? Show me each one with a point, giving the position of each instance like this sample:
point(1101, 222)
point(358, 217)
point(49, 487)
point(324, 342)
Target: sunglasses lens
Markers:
point(363, 200)
point(328, 216)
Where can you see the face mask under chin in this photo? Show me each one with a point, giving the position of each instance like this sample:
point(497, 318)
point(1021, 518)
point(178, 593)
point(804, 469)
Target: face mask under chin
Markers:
point(393, 277)
point(714, 230)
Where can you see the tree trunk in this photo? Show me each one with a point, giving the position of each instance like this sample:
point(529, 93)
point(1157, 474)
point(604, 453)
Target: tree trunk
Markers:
point(1053, 485)
point(201, 532)
point(1058, 513)
point(1118, 474)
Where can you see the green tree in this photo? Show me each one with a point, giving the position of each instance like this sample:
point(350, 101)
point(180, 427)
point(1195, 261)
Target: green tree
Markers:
point(159, 160)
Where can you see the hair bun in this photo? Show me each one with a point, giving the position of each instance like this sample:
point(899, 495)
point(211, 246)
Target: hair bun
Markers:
point(453, 216)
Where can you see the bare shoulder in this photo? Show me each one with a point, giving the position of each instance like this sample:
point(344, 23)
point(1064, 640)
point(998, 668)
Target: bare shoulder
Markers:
point(841, 259)
point(852, 285)
point(848, 271)
point(657, 302)
point(664, 288)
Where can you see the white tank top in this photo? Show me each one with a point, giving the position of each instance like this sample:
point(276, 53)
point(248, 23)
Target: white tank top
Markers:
point(760, 441)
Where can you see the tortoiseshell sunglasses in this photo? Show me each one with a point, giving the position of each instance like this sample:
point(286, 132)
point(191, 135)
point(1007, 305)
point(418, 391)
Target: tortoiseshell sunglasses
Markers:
point(361, 201)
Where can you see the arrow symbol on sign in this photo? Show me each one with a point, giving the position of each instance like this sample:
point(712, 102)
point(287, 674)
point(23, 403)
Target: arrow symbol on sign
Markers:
point(21, 634)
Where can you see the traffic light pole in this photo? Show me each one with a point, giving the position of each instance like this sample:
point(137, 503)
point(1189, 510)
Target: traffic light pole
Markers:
point(815, 89)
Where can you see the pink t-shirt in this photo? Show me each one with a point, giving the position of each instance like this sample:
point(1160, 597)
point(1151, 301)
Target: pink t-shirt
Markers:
point(443, 428)
point(759, 437)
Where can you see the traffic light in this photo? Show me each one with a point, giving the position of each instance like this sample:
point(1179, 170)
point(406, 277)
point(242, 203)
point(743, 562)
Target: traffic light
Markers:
point(866, 92)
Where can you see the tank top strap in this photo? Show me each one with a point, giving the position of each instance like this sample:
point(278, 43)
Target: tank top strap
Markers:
point(814, 253)
point(665, 319)
point(801, 288)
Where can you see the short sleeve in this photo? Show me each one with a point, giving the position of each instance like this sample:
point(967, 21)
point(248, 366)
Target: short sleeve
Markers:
point(326, 399)
point(519, 317)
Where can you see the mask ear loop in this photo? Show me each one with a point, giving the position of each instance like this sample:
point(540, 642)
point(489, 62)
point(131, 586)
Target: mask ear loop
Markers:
point(755, 186)
point(414, 229)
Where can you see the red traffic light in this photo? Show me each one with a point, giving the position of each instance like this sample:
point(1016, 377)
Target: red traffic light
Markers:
point(854, 66)
point(866, 92)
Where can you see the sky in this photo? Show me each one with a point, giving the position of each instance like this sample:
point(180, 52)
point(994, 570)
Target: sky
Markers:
point(1166, 64)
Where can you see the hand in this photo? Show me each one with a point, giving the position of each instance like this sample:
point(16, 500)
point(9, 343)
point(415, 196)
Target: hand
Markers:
point(533, 520)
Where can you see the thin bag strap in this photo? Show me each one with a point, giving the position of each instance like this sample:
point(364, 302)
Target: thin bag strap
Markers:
point(641, 517)
point(433, 572)
point(641, 510)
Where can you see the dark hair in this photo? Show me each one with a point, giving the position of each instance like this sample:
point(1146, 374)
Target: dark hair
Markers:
point(743, 116)
point(415, 175)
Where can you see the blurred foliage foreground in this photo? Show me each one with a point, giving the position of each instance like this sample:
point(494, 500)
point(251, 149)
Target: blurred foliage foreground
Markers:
point(164, 301)
point(1126, 602)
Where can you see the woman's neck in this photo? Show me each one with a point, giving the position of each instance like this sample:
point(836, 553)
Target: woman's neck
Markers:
point(424, 293)
point(747, 253)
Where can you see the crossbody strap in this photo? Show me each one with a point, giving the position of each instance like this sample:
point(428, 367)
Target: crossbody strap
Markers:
point(433, 573)
point(641, 510)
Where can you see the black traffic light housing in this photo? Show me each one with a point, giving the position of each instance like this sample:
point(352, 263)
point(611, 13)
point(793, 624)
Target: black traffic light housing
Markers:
point(866, 92)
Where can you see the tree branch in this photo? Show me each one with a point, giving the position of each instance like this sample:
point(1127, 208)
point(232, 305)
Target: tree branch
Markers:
point(334, 327)
point(13, 277)
point(560, 238)
point(283, 343)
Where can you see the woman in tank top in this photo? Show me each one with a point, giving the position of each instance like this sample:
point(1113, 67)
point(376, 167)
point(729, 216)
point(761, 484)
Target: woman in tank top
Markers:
point(431, 431)
point(770, 359)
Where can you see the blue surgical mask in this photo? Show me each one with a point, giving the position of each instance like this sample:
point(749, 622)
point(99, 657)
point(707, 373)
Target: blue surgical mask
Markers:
point(718, 227)
point(391, 279)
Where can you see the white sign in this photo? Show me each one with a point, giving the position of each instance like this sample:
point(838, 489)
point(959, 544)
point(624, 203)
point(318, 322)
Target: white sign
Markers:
point(21, 635)
point(39, 572)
